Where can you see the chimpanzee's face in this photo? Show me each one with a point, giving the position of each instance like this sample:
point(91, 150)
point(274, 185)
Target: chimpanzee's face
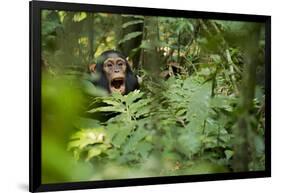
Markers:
point(115, 71)
point(115, 74)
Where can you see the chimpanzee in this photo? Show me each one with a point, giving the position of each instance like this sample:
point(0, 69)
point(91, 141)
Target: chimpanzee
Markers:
point(115, 73)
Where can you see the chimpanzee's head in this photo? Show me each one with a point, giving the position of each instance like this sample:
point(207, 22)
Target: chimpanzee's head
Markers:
point(115, 73)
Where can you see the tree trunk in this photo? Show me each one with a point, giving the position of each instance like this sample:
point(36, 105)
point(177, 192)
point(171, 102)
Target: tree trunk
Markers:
point(151, 58)
point(243, 148)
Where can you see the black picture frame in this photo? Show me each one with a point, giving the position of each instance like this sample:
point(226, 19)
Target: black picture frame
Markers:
point(35, 183)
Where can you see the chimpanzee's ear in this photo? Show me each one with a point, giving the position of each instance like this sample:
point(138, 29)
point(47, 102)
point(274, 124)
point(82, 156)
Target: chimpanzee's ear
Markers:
point(92, 67)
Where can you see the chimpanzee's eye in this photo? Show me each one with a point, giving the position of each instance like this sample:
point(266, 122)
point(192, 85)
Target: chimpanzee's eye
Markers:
point(120, 64)
point(109, 65)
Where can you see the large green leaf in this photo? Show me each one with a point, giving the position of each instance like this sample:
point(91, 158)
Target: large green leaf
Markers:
point(131, 23)
point(108, 109)
point(130, 36)
point(189, 143)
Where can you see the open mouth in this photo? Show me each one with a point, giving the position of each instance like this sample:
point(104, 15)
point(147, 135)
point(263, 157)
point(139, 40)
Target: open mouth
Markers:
point(117, 83)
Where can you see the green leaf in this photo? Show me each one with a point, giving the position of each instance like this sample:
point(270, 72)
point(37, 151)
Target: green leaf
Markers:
point(130, 36)
point(134, 16)
point(131, 23)
point(199, 107)
point(93, 152)
point(108, 109)
point(144, 148)
point(190, 143)
point(111, 102)
point(228, 154)
point(223, 102)
point(132, 96)
point(121, 134)
point(146, 45)
point(133, 140)
point(142, 111)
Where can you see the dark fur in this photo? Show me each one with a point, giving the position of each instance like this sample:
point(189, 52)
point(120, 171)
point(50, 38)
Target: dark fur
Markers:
point(131, 82)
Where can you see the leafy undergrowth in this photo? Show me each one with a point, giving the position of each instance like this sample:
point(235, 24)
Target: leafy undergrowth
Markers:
point(177, 128)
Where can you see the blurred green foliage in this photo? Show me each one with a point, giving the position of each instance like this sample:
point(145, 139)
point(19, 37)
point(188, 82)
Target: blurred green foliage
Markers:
point(200, 104)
